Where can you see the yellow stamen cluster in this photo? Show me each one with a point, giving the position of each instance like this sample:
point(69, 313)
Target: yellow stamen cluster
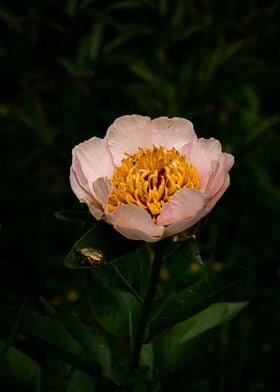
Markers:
point(150, 177)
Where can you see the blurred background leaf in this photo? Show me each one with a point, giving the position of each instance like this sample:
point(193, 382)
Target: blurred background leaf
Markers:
point(19, 371)
point(187, 338)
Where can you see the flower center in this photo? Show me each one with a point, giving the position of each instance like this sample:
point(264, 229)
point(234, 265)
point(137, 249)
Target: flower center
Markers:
point(150, 177)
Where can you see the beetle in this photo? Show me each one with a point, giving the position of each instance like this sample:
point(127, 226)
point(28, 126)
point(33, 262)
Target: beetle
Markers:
point(91, 256)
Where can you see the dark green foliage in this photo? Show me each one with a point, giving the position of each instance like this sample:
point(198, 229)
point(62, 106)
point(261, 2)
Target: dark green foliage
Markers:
point(187, 338)
point(101, 237)
point(67, 70)
point(179, 306)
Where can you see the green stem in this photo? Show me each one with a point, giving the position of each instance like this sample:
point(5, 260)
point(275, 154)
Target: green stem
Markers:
point(140, 337)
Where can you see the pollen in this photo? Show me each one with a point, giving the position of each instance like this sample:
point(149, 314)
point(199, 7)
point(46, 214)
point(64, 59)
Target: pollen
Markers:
point(150, 177)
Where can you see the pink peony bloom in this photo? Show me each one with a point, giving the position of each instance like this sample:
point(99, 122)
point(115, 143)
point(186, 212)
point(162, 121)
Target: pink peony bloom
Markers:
point(150, 179)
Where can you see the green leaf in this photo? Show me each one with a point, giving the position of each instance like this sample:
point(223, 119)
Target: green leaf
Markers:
point(93, 343)
point(145, 73)
point(79, 381)
point(55, 337)
point(147, 357)
point(11, 337)
point(183, 264)
point(128, 274)
point(188, 338)
point(74, 215)
point(134, 376)
point(184, 244)
point(19, 369)
point(104, 238)
point(75, 70)
point(178, 307)
point(95, 40)
point(61, 376)
point(263, 126)
point(11, 20)
point(71, 8)
point(106, 308)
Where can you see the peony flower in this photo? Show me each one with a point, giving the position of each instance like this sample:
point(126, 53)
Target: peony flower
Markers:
point(150, 179)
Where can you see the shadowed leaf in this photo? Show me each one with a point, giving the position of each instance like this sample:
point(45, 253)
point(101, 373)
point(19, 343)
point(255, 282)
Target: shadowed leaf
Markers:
point(180, 306)
point(104, 238)
point(187, 338)
point(19, 369)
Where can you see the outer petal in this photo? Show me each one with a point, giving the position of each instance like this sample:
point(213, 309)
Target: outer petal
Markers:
point(92, 159)
point(135, 223)
point(211, 203)
point(186, 204)
point(135, 234)
point(217, 178)
point(77, 188)
point(180, 226)
point(79, 175)
point(97, 212)
point(94, 206)
point(102, 189)
point(127, 134)
point(201, 153)
point(172, 132)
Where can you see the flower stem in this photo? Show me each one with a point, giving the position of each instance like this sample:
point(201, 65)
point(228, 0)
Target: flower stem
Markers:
point(140, 336)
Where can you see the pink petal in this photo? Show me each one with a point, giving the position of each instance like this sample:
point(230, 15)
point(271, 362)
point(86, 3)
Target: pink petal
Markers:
point(134, 234)
point(91, 160)
point(84, 197)
point(135, 223)
point(77, 188)
point(127, 134)
point(79, 174)
point(180, 226)
point(186, 204)
point(172, 132)
point(213, 200)
point(95, 211)
point(201, 153)
point(102, 189)
point(217, 178)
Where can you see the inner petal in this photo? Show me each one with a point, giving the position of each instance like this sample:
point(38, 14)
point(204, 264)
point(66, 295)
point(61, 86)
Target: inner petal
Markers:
point(150, 177)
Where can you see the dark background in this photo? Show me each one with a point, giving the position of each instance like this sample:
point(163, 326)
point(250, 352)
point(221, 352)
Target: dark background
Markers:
point(69, 68)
